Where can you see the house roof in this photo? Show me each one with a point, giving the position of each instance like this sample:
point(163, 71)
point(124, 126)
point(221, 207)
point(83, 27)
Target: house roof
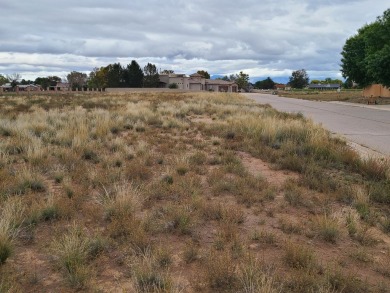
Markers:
point(321, 86)
point(196, 75)
point(62, 84)
point(219, 82)
point(27, 85)
point(280, 85)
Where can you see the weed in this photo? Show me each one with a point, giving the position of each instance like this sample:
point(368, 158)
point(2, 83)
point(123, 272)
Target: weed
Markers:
point(220, 271)
point(385, 223)
point(90, 155)
point(299, 256)
point(72, 253)
point(164, 257)
point(6, 248)
point(362, 255)
point(190, 253)
point(344, 282)
point(148, 277)
point(293, 194)
point(11, 217)
point(365, 237)
point(96, 246)
point(352, 225)
point(253, 278)
point(180, 220)
point(263, 236)
point(327, 228)
point(289, 227)
point(380, 192)
point(28, 180)
point(375, 169)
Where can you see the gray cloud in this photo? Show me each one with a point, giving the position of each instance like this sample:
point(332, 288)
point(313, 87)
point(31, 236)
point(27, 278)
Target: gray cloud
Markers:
point(263, 38)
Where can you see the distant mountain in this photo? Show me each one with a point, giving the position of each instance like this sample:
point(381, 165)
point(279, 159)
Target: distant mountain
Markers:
point(277, 79)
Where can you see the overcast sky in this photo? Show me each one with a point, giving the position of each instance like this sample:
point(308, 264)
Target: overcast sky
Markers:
point(260, 37)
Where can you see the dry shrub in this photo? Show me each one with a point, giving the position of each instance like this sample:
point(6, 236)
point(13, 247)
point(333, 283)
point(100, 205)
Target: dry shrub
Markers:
point(263, 236)
point(220, 271)
point(290, 226)
point(293, 193)
point(299, 256)
point(344, 282)
point(149, 276)
point(254, 277)
point(375, 169)
point(137, 171)
point(11, 217)
point(327, 228)
point(72, 251)
point(120, 200)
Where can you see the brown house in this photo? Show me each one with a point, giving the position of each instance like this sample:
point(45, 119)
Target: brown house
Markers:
point(197, 82)
point(279, 86)
point(60, 86)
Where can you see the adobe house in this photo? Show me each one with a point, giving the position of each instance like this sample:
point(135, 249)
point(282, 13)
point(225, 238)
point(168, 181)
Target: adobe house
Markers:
point(7, 87)
point(60, 86)
point(219, 85)
point(196, 82)
point(29, 88)
point(279, 86)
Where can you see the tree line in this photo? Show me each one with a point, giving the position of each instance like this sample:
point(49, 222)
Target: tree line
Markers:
point(299, 79)
point(112, 75)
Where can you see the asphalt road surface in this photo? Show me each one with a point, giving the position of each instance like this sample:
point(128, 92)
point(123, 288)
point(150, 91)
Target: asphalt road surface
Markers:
point(368, 126)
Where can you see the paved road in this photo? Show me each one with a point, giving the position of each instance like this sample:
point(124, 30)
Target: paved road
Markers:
point(366, 126)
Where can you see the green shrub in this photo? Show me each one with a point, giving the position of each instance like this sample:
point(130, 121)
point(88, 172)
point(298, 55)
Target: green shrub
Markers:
point(173, 86)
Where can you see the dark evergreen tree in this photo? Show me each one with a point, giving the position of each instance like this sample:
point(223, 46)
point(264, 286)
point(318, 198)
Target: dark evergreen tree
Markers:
point(133, 75)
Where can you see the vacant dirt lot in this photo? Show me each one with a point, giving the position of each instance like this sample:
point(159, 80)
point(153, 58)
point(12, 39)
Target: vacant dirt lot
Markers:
point(197, 192)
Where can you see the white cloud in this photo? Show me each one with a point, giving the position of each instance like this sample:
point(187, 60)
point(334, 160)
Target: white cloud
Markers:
point(263, 38)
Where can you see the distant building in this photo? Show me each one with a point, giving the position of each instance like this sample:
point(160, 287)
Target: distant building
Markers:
point(196, 82)
point(279, 86)
point(60, 86)
point(7, 87)
point(328, 86)
point(21, 87)
point(29, 88)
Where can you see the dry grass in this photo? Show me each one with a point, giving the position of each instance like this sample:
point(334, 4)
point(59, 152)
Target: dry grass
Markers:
point(143, 191)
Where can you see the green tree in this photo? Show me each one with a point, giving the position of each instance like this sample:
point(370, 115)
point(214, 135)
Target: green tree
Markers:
point(133, 75)
point(242, 80)
point(265, 84)
point(114, 75)
point(97, 78)
point(3, 79)
point(26, 82)
point(45, 82)
point(204, 74)
point(366, 55)
point(299, 79)
point(151, 76)
point(167, 71)
point(77, 79)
